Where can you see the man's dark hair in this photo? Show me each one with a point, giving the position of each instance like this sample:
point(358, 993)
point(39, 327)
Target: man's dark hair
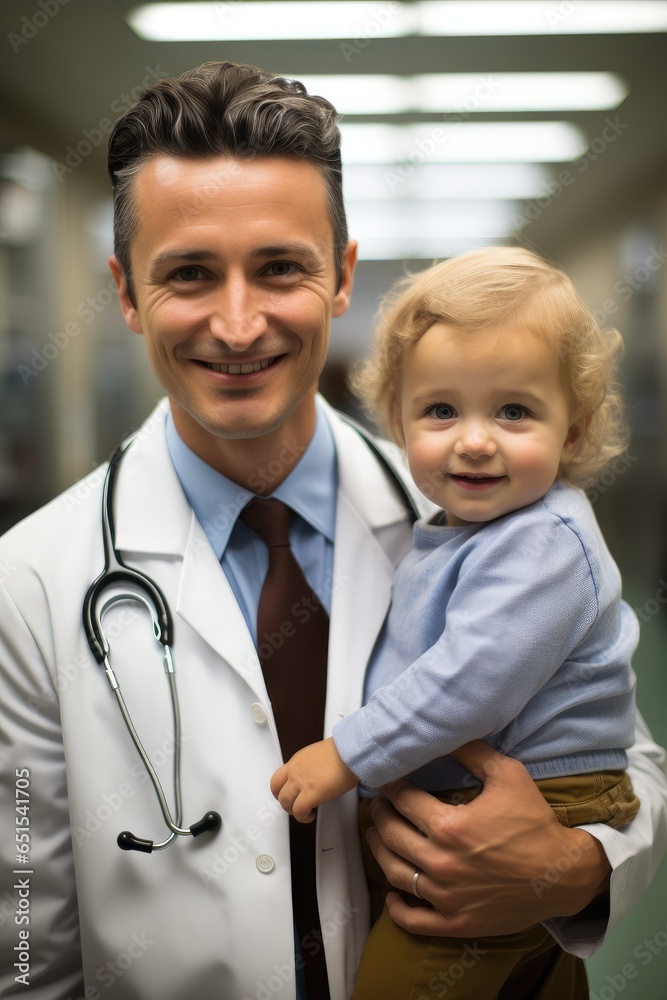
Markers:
point(223, 109)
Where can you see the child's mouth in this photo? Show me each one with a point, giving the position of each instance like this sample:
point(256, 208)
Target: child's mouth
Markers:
point(475, 481)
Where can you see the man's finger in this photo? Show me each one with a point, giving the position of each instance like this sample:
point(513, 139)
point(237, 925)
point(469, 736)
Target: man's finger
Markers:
point(485, 763)
point(398, 871)
point(418, 919)
point(419, 807)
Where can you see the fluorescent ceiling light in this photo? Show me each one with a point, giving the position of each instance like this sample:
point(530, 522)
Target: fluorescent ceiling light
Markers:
point(540, 17)
point(462, 142)
point(451, 181)
point(435, 220)
point(238, 21)
point(418, 248)
point(441, 93)
point(387, 231)
point(235, 20)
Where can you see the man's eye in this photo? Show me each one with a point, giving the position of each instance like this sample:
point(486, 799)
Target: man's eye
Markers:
point(187, 273)
point(443, 411)
point(281, 268)
point(512, 412)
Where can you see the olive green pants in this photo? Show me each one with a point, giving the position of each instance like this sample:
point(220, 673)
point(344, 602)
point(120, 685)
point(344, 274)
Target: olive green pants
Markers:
point(527, 965)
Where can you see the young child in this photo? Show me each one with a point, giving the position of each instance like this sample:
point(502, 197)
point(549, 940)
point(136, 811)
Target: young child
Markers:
point(506, 621)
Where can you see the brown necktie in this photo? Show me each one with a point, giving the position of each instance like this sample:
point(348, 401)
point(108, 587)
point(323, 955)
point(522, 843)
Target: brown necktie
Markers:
point(292, 644)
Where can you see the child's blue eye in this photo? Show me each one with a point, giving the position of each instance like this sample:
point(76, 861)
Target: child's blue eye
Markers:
point(512, 412)
point(443, 411)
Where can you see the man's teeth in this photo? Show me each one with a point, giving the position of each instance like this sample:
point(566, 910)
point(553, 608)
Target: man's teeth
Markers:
point(256, 366)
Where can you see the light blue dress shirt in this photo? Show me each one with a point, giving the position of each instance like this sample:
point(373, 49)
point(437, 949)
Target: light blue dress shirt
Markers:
point(310, 489)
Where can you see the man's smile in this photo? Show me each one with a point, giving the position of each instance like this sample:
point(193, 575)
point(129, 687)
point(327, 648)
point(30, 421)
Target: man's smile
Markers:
point(239, 369)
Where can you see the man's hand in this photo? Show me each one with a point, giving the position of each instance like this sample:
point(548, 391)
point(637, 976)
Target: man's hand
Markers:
point(312, 776)
point(493, 866)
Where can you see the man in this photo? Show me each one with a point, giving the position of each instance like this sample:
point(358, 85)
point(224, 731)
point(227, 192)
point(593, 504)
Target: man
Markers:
point(231, 258)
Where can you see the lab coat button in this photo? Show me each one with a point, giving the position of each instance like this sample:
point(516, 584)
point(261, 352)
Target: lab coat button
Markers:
point(265, 863)
point(258, 713)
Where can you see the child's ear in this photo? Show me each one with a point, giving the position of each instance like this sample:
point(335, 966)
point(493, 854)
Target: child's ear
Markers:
point(575, 433)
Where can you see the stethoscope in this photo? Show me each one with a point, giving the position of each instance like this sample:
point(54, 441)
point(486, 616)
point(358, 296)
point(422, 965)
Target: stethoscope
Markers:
point(131, 585)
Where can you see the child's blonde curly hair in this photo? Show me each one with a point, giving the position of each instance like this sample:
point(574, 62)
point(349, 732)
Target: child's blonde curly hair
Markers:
point(488, 292)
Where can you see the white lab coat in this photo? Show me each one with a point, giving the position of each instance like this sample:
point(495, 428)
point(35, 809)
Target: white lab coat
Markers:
point(209, 918)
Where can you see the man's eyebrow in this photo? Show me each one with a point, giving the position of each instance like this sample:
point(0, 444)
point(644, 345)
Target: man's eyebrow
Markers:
point(172, 256)
point(308, 253)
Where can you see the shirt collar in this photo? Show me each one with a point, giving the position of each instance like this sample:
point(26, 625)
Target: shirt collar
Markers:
point(310, 489)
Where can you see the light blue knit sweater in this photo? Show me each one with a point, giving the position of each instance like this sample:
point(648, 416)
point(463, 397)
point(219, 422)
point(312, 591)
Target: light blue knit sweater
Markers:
point(513, 631)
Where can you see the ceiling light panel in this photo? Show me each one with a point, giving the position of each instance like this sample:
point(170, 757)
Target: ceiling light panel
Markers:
point(238, 21)
point(470, 93)
point(440, 181)
point(408, 146)
point(539, 17)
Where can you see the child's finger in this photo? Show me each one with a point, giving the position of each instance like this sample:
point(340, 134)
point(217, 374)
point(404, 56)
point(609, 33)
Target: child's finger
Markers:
point(288, 795)
point(302, 811)
point(278, 779)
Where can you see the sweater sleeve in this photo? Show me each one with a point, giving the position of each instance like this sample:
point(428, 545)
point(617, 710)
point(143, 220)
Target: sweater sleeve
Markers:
point(519, 608)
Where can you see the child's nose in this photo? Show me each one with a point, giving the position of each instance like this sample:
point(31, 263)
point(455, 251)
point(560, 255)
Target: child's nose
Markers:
point(475, 441)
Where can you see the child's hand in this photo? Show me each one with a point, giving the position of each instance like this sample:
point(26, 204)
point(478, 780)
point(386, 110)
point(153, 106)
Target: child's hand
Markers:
point(312, 776)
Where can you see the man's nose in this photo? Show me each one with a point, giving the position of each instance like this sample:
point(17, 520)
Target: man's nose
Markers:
point(238, 317)
point(475, 440)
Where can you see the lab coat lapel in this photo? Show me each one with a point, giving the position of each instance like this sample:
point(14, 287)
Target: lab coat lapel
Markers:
point(207, 603)
point(155, 522)
point(368, 510)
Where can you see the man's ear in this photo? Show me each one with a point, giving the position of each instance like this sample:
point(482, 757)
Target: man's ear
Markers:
point(575, 433)
point(342, 297)
point(130, 314)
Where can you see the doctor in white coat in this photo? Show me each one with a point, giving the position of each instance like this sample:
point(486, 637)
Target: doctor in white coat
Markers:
point(230, 262)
